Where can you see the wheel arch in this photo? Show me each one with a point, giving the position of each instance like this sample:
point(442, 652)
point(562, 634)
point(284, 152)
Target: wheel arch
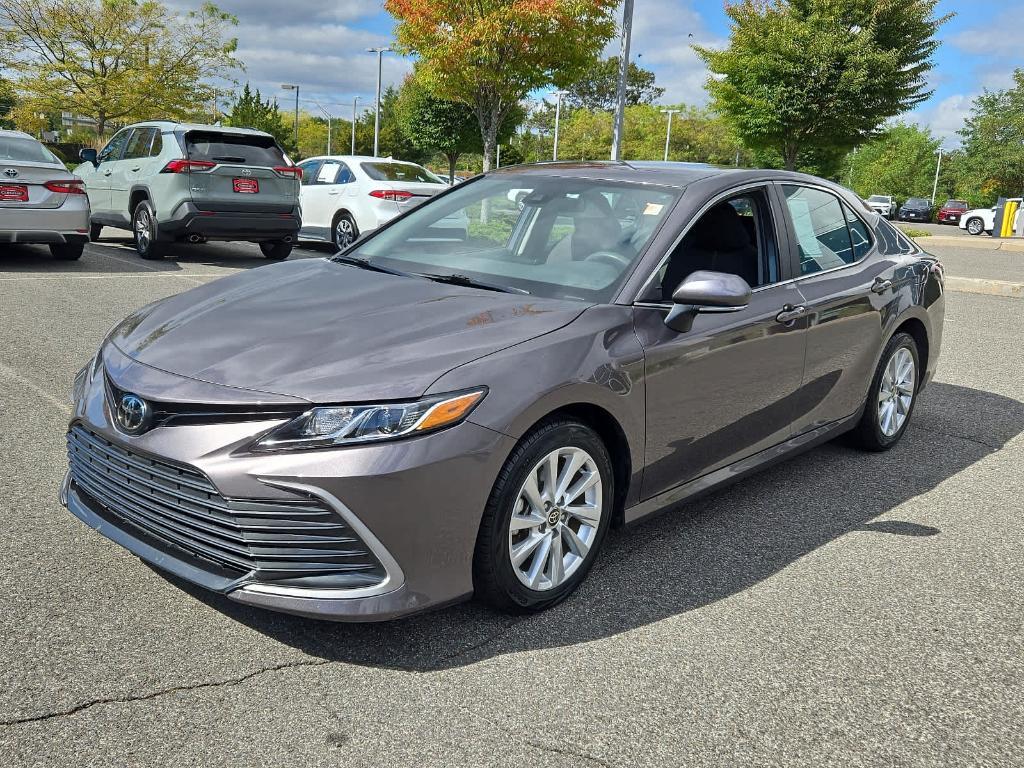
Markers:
point(919, 332)
point(136, 195)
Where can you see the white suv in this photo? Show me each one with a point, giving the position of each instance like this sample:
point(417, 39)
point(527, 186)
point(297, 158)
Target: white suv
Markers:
point(883, 205)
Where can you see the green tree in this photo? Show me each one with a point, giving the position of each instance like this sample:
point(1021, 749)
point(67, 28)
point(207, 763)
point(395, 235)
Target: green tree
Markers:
point(7, 101)
point(900, 162)
point(806, 76)
point(489, 54)
point(116, 60)
point(433, 125)
point(993, 144)
point(251, 111)
point(597, 88)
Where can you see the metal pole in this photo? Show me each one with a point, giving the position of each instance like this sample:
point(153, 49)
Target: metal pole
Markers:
point(355, 101)
point(620, 96)
point(296, 118)
point(498, 164)
point(558, 117)
point(376, 120)
point(329, 128)
point(935, 186)
point(668, 134)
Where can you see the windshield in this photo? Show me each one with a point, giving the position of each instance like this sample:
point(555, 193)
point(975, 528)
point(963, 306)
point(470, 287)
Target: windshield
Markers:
point(564, 238)
point(918, 202)
point(956, 205)
point(878, 199)
point(25, 151)
point(399, 172)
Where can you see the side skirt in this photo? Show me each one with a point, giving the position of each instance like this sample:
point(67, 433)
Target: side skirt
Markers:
point(739, 470)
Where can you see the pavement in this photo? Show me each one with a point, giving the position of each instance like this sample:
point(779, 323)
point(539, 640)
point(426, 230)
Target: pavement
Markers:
point(840, 609)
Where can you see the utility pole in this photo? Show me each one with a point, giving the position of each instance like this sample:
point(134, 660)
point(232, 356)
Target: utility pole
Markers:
point(668, 135)
point(558, 117)
point(620, 97)
point(376, 120)
point(938, 167)
point(355, 102)
point(329, 124)
point(295, 88)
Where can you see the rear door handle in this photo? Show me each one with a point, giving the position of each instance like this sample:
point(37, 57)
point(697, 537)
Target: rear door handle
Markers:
point(107, 173)
point(881, 285)
point(790, 314)
point(136, 170)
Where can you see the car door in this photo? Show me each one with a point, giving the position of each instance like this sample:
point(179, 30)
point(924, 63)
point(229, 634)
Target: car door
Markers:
point(316, 201)
point(128, 169)
point(725, 389)
point(846, 287)
point(98, 185)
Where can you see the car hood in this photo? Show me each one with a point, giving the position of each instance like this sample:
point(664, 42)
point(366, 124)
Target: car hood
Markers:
point(327, 332)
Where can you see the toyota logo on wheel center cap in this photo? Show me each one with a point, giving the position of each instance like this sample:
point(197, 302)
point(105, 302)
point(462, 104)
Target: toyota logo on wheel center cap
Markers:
point(132, 414)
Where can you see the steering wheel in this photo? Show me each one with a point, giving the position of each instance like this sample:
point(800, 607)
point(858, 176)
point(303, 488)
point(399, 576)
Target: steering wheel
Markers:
point(615, 259)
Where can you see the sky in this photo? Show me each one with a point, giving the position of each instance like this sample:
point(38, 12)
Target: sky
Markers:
point(321, 45)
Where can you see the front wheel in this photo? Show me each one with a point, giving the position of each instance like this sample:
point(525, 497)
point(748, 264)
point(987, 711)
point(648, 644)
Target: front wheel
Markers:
point(892, 396)
point(278, 250)
point(975, 226)
point(546, 518)
point(145, 232)
point(345, 231)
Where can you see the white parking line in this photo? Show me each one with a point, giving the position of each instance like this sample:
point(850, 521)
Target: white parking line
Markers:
point(6, 372)
point(191, 276)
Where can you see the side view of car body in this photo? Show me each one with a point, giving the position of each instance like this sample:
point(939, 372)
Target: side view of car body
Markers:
point(40, 201)
point(344, 197)
point(170, 182)
point(883, 205)
point(415, 420)
point(982, 221)
point(951, 211)
point(915, 209)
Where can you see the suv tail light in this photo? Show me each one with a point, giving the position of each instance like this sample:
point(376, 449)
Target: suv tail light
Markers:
point(67, 187)
point(292, 170)
point(394, 195)
point(187, 166)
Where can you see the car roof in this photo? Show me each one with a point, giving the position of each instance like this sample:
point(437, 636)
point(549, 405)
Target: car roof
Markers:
point(360, 159)
point(6, 134)
point(170, 125)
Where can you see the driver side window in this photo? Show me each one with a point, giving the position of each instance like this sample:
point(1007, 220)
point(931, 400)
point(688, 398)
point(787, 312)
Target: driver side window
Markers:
point(115, 147)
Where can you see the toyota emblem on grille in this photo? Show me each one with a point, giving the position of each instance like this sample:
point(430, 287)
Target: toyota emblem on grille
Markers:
point(11, 173)
point(132, 414)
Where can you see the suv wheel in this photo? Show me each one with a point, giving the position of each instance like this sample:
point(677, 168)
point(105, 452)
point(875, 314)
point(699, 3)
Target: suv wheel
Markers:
point(345, 231)
point(975, 226)
point(546, 518)
point(145, 232)
point(94, 231)
point(67, 251)
point(892, 396)
point(277, 250)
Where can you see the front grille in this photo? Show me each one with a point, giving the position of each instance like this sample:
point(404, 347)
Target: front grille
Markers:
point(300, 541)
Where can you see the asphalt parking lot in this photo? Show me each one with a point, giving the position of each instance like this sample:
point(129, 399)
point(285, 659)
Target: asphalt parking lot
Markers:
point(840, 609)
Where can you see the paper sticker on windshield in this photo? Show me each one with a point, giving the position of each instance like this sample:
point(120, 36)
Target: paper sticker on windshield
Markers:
point(653, 209)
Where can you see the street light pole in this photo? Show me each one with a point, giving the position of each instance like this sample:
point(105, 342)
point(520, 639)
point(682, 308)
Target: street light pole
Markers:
point(295, 88)
point(376, 120)
point(329, 124)
point(938, 167)
point(355, 101)
point(620, 96)
point(668, 134)
point(558, 117)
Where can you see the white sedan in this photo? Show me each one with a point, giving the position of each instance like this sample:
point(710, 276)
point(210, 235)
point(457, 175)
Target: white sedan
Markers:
point(982, 220)
point(344, 196)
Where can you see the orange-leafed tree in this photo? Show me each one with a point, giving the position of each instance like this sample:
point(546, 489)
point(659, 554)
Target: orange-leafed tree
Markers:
point(490, 54)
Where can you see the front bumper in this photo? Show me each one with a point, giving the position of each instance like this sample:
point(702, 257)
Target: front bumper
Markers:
point(188, 219)
point(417, 503)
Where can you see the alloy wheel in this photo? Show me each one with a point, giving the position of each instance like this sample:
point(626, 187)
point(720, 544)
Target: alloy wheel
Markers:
point(344, 233)
point(556, 518)
point(896, 392)
point(143, 236)
point(974, 226)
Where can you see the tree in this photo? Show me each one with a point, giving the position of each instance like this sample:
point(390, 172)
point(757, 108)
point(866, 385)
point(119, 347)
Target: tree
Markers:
point(434, 125)
point(993, 143)
point(116, 60)
point(489, 54)
point(597, 89)
point(7, 102)
point(805, 76)
point(251, 111)
point(900, 162)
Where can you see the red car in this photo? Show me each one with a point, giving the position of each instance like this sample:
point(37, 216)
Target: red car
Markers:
point(951, 212)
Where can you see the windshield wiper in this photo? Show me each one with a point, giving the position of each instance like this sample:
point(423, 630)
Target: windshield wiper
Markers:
point(354, 261)
point(469, 282)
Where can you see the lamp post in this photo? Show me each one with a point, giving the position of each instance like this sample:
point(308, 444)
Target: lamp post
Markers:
point(668, 135)
point(355, 102)
point(938, 167)
point(620, 95)
point(558, 117)
point(376, 119)
point(329, 124)
point(295, 88)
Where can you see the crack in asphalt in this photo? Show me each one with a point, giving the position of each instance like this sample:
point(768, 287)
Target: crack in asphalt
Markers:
point(492, 637)
point(540, 746)
point(162, 692)
point(974, 440)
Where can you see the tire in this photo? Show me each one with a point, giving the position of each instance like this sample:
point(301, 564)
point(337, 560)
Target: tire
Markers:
point(146, 232)
point(874, 432)
point(95, 230)
point(344, 231)
point(276, 250)
point(975, 226)
point(497, 580)
point(67, 251)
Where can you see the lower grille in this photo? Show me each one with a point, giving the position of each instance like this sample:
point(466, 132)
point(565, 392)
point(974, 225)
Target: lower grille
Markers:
point(297, 541)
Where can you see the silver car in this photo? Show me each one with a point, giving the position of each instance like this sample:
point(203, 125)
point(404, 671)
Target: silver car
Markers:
point(42, 201)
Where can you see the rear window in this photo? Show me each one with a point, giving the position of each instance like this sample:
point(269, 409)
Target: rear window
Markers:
point(399, 172)
point(957, 205)
point(17, 150)
point(234, 148)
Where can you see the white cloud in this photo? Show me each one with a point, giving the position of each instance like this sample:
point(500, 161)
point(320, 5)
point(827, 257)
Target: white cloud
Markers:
point(944, 118)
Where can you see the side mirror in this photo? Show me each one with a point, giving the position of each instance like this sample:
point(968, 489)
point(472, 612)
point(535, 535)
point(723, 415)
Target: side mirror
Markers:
point(89, 155)
point(706, 292)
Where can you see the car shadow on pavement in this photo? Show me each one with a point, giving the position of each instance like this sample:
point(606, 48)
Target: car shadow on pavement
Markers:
point(692, 556)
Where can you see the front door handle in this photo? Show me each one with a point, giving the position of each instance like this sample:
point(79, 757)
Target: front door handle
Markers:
point(790, 314)
point(881, 285)
point(136, 170)
point(107, 173)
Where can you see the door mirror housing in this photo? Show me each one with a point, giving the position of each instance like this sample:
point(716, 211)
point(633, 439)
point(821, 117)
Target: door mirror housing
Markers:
point(706, 292)
point(89, 155)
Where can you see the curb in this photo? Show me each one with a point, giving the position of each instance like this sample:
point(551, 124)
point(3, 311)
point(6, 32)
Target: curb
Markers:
point(985, 287)
point(978, 243)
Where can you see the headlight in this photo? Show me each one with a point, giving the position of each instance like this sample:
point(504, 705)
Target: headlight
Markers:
point(330, 426)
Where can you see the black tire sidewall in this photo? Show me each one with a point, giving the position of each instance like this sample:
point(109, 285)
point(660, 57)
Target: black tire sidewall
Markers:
point(276, 250)
point(871, 433)
point(67, 251)
point(512, 593)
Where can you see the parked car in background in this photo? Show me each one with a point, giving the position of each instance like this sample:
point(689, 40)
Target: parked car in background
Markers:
point(980, 221)
point(951, 211)
point(40, 201)
point(916, 209)
point(883, 205)
point(169, 182)
point(345, 196)
point(414, 421)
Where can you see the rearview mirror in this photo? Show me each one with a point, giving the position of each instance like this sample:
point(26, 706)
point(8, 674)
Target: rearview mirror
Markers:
point(89, 155)
point(706, 292)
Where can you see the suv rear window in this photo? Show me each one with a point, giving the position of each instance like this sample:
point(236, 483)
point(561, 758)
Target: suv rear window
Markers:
point(399, 172)
point(234, 148)
point(25, 150)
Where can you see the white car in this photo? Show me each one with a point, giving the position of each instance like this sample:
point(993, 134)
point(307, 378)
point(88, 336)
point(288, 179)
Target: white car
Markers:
point(344, 196)
point(982, 220)
point(883, 205)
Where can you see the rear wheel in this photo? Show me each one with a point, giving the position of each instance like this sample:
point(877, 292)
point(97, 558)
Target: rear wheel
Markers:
point(277, 250)
point(146, 232)
point(892, 396)
point(94, 231)
point(345, 232)
point(546, 518)
point(975, 226)
point(67, 251)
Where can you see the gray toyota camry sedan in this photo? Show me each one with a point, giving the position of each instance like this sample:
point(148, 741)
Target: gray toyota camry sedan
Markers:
point(40, 200)
point(421, 418)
